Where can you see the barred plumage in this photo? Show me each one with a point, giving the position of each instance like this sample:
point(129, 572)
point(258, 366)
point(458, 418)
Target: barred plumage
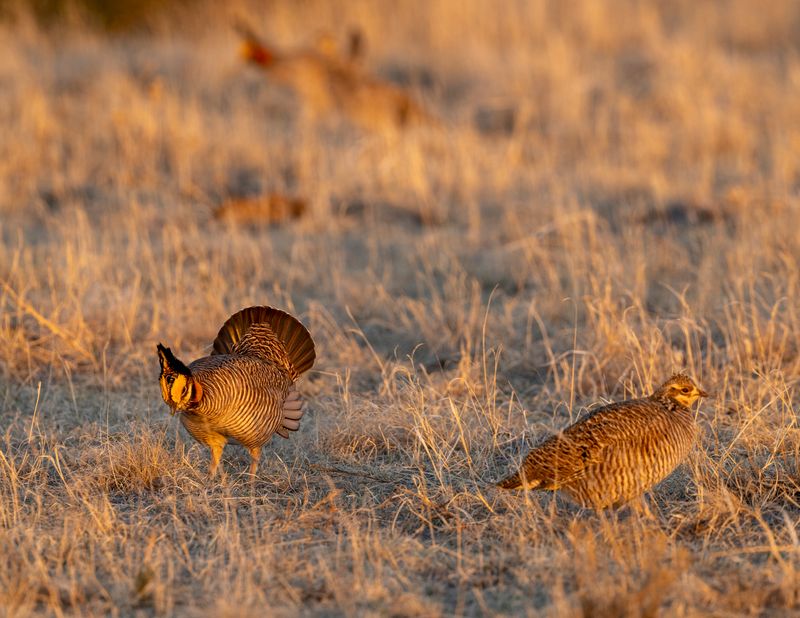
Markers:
point(617, 452)
point(244, 390)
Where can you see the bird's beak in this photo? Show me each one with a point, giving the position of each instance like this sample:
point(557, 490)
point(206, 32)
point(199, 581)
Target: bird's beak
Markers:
point(702, 393)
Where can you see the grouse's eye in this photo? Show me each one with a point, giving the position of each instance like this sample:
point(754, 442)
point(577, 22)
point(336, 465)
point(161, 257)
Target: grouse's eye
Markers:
point(170, 380)
point(685, 390)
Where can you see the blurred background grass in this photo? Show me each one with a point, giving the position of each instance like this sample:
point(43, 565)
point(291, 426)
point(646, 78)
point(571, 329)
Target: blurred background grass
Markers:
point(112, 16)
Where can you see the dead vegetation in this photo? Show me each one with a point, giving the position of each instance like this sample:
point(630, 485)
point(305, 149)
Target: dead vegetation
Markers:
point(469, 288)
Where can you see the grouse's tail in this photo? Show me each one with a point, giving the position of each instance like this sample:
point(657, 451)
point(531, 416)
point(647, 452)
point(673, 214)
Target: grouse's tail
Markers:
point(268, 333)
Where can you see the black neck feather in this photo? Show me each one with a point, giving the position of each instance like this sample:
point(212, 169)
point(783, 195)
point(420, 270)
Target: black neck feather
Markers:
point(170, 363)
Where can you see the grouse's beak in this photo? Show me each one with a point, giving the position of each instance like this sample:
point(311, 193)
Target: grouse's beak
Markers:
point(702, 393)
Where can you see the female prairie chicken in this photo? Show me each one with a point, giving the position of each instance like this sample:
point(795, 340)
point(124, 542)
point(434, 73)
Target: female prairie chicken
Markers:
point(616, 452)
point(245, 389)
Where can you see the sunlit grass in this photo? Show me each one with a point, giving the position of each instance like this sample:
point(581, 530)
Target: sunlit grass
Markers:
point(469, 293)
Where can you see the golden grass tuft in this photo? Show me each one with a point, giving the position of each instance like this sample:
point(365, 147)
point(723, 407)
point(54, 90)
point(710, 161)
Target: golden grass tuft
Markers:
point(130, 462)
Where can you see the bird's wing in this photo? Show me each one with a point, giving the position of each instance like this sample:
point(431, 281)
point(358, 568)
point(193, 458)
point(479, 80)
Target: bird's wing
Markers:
point(565, 457)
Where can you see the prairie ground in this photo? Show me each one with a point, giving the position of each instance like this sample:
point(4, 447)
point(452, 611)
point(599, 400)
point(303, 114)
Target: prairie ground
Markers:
point(607, 193)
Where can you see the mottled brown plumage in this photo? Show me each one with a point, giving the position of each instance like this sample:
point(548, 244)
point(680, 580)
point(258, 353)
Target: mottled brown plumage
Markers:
point(617, 452)
point(244, 390)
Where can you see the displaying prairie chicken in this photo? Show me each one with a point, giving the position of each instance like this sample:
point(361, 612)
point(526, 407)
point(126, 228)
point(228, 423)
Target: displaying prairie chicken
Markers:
point(244, 390)
point(617, 452)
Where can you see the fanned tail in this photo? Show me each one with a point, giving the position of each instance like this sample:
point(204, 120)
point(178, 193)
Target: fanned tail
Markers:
point(268, 333)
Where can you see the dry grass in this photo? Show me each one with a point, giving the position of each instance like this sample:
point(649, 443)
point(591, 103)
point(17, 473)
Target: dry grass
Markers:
point(633, 211)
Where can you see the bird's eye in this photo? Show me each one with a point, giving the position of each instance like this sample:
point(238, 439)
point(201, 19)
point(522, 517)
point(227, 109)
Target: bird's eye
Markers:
point(170, 380)
point(685, 390)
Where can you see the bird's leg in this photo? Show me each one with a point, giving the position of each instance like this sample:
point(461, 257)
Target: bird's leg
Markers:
point(255, 453)
point(216, 455)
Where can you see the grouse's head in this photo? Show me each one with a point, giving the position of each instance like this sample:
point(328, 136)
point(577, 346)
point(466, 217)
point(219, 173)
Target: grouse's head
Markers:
point(179, 388)
point(681, 389)
point(253, 49)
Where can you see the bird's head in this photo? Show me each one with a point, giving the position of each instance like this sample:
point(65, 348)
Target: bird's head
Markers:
point(681, 389)
point(253, 52)
point(179, 388)
point(252, 48)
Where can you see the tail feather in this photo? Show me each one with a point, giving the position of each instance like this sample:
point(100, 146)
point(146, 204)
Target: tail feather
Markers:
point(251, 331)
point(293, 410)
